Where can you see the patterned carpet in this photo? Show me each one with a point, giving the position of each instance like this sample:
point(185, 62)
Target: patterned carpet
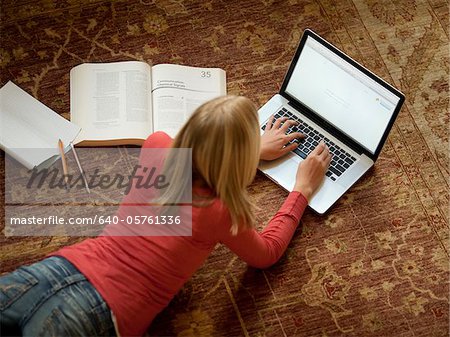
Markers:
point(378, 263)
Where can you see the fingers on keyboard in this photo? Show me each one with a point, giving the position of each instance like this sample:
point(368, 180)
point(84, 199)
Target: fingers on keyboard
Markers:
point(308, 139)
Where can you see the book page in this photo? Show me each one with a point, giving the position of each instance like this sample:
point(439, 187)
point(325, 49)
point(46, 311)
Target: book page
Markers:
point(29, 130)
point(178, 90)
point(111, 101)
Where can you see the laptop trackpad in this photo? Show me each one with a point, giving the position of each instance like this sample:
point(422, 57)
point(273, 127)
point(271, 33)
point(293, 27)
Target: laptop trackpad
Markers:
point(326, 196)
point(282, 170)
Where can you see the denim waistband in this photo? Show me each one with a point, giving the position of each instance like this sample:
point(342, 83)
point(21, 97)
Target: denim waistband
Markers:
point(53, 297)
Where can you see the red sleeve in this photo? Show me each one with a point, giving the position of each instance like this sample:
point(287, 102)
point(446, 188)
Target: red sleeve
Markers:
point(151, 158)
point(261, 250)
point(148, 158)
point(159, 139)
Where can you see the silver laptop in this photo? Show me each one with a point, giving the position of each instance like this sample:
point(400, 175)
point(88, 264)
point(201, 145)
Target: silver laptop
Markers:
point(335, 99)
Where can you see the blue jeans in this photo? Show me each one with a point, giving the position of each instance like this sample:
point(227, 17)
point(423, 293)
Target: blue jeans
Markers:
point(52, 298)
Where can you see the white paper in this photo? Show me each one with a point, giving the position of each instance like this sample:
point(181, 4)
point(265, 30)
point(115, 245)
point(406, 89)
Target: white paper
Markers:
point(179, 90)
point(27, 124)
point(111, 101)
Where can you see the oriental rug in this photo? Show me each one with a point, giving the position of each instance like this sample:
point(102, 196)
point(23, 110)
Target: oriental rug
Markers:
point(377, 264)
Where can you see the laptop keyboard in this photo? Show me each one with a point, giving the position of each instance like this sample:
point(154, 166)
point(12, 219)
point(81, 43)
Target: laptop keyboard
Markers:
point(340, 159)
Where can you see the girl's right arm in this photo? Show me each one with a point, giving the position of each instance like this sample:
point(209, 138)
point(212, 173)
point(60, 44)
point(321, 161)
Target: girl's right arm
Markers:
point(263, 249)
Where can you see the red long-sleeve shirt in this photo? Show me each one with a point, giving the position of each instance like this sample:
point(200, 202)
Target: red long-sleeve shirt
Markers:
point(138, 275)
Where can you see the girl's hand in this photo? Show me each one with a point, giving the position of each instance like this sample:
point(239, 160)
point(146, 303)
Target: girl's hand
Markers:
point(274, 139)
point(311, 171)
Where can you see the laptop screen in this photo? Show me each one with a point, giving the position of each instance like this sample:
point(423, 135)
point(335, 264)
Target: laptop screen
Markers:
point(342, 94)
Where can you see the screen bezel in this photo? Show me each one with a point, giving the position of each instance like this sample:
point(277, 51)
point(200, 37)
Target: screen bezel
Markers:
point(324, 123)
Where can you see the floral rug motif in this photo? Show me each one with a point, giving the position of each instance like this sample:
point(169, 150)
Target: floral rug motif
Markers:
point(377, 264)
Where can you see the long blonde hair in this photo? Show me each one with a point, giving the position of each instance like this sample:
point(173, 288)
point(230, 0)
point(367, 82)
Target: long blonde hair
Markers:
point(225, 140)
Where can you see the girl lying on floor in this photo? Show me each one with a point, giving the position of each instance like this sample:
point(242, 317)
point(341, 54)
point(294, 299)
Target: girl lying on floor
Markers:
point(75, 290)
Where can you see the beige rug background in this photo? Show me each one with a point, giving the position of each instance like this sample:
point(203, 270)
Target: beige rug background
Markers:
point(378, 263)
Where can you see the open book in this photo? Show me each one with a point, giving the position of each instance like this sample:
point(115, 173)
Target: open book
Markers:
point(123, 102)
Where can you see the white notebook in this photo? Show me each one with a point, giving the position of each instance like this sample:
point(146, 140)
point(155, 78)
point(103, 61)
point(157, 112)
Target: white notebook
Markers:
point(29, 130)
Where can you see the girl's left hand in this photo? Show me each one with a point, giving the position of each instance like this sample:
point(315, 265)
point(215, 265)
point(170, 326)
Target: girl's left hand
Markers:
point(274, 139)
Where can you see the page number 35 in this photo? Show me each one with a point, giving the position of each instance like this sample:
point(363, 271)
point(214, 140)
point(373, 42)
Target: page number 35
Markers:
point(205, 74)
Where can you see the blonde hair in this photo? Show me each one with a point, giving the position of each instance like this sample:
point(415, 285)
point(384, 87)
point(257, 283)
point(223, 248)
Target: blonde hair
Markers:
point(225, 140)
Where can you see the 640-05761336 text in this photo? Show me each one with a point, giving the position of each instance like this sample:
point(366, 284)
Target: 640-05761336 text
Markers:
point(101, 220)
